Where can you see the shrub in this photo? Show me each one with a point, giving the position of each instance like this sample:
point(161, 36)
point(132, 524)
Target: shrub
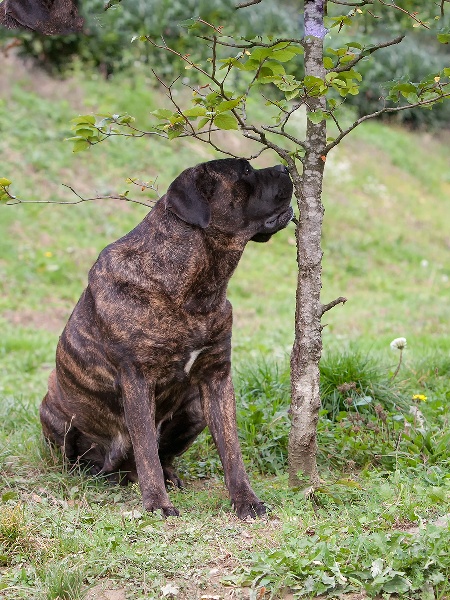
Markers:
point(106, 40)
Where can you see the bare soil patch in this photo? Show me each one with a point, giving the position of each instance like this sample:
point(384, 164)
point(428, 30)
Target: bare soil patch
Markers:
point(51, 320)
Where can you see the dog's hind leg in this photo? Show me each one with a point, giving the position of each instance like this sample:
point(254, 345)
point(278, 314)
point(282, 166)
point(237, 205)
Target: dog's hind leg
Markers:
point(58, 430)
point(116, 464)
point(178, 433)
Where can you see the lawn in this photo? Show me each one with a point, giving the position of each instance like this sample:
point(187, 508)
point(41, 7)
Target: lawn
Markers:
point(379, 524)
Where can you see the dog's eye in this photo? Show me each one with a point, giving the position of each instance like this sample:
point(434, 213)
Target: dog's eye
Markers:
point(247, 170)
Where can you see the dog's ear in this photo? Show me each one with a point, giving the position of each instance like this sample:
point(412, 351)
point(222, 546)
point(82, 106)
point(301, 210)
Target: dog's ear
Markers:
point(188, 196)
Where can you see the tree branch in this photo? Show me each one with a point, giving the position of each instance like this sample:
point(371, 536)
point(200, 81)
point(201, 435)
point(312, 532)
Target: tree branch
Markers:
point(325, 307)
point(13, 200)
point(355, 4)
point(377, 113)
point(296, 141)
point(368, 52)
point(253, 44)
point(442, 2)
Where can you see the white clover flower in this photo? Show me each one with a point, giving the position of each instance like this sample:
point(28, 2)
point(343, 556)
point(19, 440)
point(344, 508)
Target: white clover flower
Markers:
point(398, 344)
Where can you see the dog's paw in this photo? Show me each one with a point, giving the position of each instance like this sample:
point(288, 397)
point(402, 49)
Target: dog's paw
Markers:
point(167, 511)
point(252, 510)
point(170, 511)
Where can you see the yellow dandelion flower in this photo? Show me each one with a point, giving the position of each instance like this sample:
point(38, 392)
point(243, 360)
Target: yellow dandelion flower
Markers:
point(419, 397)
point(48, 254)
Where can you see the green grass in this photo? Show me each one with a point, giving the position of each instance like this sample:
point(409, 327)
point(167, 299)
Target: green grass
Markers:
point(377, 522)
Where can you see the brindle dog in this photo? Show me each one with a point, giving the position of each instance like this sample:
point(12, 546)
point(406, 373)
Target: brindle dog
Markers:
point(143, 364)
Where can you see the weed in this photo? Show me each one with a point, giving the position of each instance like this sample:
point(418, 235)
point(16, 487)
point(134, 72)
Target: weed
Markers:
point(325, 561)
point(61, 583)
point(12, 525)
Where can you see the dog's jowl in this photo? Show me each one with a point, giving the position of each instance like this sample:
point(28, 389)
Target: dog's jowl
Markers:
point(143, 364)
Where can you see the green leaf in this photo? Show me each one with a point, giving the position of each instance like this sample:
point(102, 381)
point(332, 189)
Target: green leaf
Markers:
point(203, 122)
point(175, 131)
point(251, 65)
point(412, 98)
point(176, 119)
point(80, 145)
point(317, 116)
point(212, 99)
point(284, 55)
point(259, 54)
point(228, 105)
point(351, 74)
point(162, 113)
point(397, 584)
point(347, 58)
point(314, 85)
point(195, 111)
point(444, 38)
point(226, 121)
point(125, 119)
point(84, 119)
point(275, 67)
point(4, 182)
point(328, 62)
point(292, 47)
point(354, 45)
point(86, 133)
point(189, 23)
point(291, 94)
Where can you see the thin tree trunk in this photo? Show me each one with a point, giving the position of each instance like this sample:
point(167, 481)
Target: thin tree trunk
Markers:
point(306, 353)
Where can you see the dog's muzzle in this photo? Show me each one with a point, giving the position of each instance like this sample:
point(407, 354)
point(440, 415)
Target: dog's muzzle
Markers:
point(279, 221)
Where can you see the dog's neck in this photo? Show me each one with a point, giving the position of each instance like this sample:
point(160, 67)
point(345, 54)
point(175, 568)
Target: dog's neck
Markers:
point(201, 261)
point(216, 262)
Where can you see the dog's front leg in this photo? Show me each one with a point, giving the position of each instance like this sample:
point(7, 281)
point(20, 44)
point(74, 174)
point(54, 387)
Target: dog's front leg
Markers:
point(139, 406)
point(219, 405)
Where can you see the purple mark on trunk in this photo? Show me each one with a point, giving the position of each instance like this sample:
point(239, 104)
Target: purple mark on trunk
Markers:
point(314, 19)
point(315, 29)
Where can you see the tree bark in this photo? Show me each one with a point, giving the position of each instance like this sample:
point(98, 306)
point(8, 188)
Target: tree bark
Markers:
point(307, 349)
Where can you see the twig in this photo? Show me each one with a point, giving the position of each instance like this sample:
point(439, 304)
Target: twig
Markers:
point(122, 197)
point(214, 48)
point(253, 44)
point(356, 4)
point(403, 10)
point(325, 307)
point(286, 135)
point(332, 115)
point(218, 29)
point(368, 52)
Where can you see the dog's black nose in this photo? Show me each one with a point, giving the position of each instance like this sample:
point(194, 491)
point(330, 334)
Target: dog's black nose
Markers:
point(282, 168)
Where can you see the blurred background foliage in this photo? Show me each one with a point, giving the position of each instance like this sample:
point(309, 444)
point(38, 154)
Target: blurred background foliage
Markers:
point(105, 44)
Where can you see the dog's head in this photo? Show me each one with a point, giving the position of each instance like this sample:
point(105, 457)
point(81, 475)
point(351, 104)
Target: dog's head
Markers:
point(231, 196)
